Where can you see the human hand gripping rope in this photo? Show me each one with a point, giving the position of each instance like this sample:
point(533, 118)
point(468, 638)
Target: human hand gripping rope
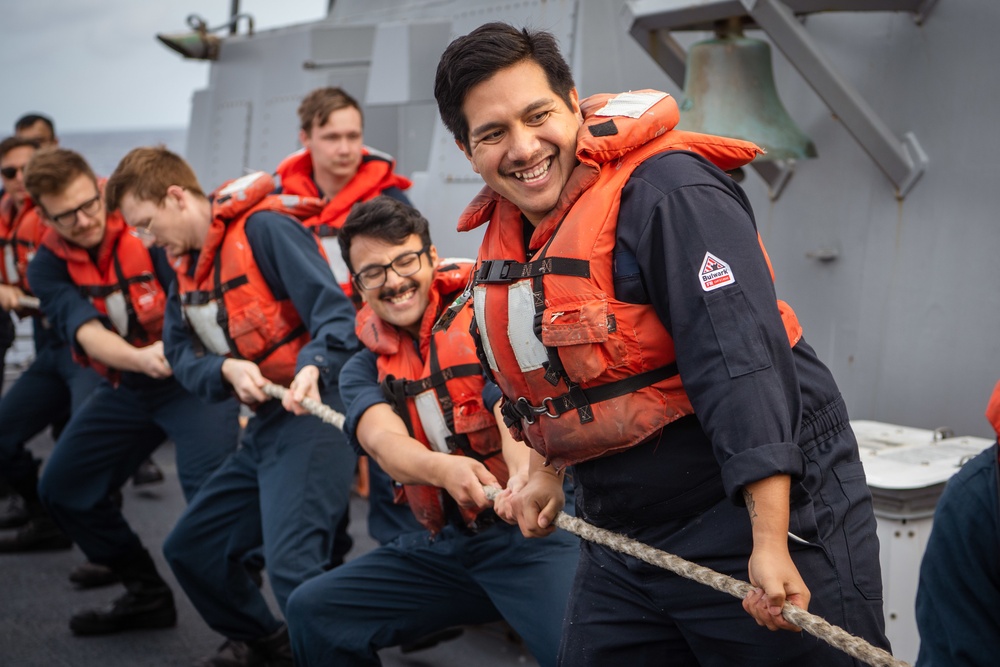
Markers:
point(833, 635)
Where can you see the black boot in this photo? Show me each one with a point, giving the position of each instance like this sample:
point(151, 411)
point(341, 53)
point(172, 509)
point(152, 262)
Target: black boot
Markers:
point(147, 473)
point(147, 604)
point(93, 575)
point(39, 533)
point(275, 650)
point(13, 512)
point(234, 653)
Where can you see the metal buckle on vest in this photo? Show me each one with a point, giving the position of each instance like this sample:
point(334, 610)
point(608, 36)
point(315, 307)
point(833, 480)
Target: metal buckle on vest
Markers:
point(494, 271)
point(529, 411)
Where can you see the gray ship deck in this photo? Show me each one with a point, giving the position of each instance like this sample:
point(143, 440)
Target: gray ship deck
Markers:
point(36, 600)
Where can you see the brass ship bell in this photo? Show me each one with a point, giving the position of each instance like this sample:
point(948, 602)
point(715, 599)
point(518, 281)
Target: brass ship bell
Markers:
point(729, 90)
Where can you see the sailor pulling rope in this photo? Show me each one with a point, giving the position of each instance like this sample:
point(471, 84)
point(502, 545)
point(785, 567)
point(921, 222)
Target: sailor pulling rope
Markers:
point(833, 635)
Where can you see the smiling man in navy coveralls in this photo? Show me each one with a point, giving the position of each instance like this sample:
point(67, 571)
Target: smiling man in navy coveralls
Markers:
point(254, 302)
point(105, 293)
point(627, 311)
point(418, 403)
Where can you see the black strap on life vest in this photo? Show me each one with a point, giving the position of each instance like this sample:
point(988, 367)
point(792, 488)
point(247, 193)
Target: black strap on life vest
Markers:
point(398, 391)
point(484, 361)
point(454, 440)
point(285, 340)
point(17, 241)
point(204, 297)
point(136, 330)
point(394, 390)
point(223, 317)
point(576, 398)
point(217, 292)
point(104, 291)
point(494, 271)
point(581, 399)
point(121, 284)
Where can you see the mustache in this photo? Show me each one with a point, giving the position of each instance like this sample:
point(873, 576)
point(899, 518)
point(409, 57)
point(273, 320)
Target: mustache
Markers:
point(393, 293)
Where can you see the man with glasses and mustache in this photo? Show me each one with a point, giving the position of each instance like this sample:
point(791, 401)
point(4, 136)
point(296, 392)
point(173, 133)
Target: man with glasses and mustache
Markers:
point(105, 292)
point(254, 302)
point(51, 386)
point(418, 403)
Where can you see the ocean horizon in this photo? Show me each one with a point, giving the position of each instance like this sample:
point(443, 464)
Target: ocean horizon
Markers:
point(104, 149)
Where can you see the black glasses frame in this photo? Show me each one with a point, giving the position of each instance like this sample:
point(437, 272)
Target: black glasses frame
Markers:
point(10, 172)
point(364, 284)
point(67, 219)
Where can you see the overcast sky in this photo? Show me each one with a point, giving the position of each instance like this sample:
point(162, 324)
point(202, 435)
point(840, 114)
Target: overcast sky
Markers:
point(97, 65)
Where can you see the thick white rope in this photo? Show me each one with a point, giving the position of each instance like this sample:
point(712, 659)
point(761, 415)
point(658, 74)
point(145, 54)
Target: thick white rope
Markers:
point(815, 625)
point(833, 635)
point(324, 412)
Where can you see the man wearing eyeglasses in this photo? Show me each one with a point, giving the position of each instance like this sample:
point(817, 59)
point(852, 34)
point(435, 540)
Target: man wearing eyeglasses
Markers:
point(254, 302)
point(418, 403)
point(106, 292)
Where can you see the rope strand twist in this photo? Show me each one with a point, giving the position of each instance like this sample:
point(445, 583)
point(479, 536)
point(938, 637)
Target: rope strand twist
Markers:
point(317, 409)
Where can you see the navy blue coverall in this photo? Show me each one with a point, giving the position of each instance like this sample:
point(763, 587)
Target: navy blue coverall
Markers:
point(958, 598)
point(419, 584)
point(47, 392)
point(761, 409)
point(288, 485)
point(118, 428)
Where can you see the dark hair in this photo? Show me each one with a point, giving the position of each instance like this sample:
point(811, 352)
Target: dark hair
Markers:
point(27, 120)
point(317, 106)
point(51, 170)
point(474, 58)
point(10, 143)
point(385, 219)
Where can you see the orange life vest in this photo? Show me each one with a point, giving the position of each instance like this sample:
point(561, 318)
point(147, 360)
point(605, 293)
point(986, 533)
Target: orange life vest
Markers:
point(120, 280)
point(583, 373)
point(226, 301)
point(20, 233)
point(438, 390)
point(375, 174)
point(993, 409)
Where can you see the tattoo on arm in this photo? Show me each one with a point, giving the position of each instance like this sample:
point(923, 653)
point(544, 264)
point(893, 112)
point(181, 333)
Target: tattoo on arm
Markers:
point(751, 506)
